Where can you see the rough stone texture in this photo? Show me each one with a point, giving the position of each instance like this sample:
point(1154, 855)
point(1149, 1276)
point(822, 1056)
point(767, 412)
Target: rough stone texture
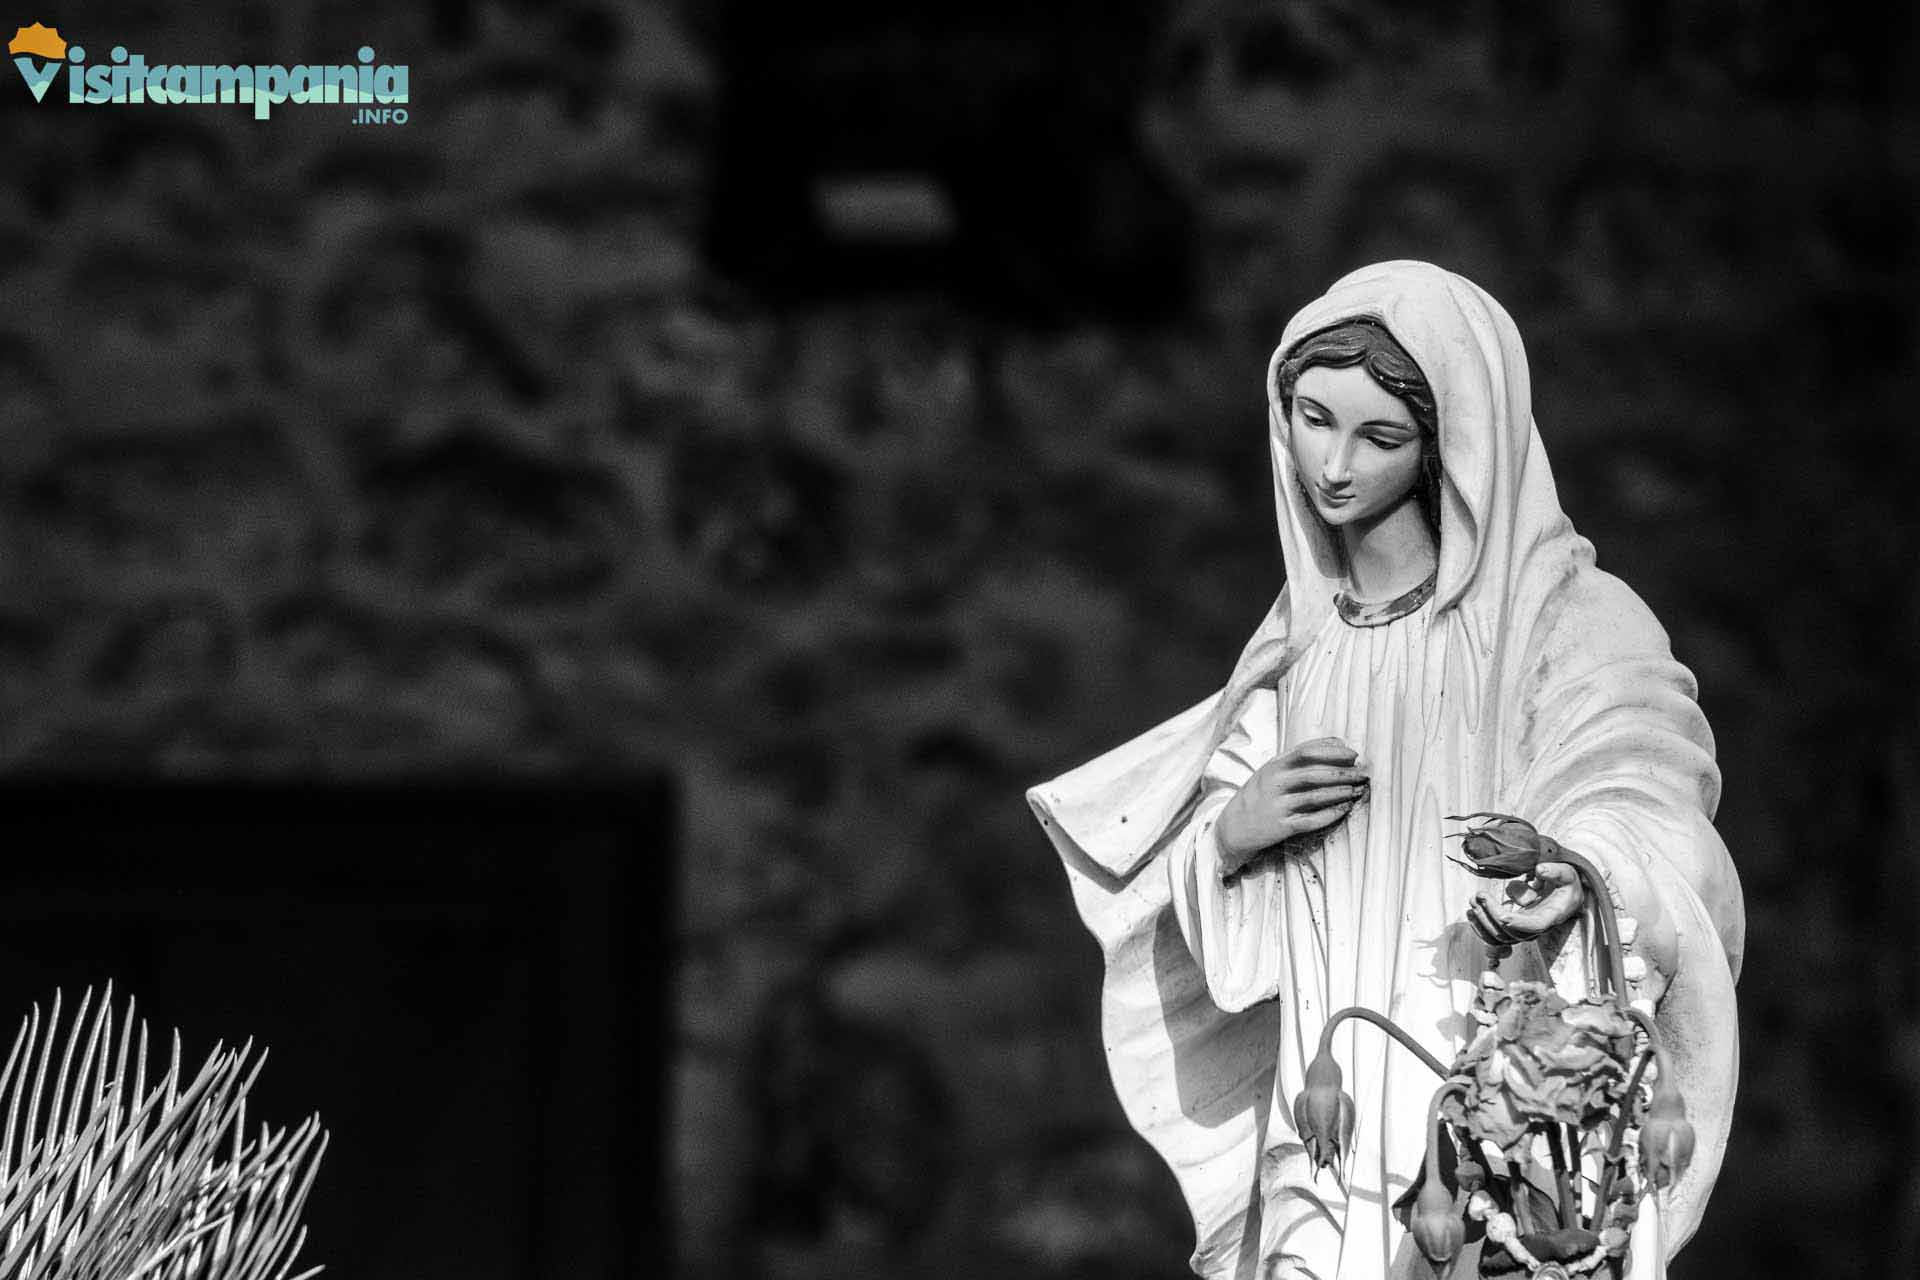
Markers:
point(352, 451)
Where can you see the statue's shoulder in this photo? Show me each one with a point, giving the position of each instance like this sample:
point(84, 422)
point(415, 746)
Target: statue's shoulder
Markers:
point(1593, 615)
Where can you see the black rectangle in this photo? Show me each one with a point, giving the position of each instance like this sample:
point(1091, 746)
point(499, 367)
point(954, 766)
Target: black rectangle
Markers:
point(466, 982)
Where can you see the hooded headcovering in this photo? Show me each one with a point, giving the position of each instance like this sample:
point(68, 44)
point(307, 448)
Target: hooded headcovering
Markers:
point(1579, 720)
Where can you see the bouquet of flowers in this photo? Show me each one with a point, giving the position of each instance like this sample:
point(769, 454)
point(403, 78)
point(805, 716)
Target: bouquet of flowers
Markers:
point(1553, 1122)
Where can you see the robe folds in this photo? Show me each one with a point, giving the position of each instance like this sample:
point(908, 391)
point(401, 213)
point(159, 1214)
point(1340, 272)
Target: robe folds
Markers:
point(1532, 683)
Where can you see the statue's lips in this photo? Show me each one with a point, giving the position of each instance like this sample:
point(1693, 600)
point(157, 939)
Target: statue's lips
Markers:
point(1332, 499)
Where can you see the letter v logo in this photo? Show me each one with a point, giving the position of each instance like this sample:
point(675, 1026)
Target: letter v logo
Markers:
point(38, 77)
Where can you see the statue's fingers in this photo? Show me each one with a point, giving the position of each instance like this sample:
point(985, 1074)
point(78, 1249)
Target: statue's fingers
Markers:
point(1556, 873)
point(1537, 917)
point(1327, 797)
point(1489, 924)
point(1322, 751)
point(1324, 775)
point(1483, 922)
point(1317, 819)
point(1527, 922)
point(1489, 933)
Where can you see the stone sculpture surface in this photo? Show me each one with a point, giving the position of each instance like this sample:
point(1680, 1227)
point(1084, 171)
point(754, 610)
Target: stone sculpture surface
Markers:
point(1271, 870)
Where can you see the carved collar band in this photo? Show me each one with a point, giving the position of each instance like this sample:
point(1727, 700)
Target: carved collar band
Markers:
point(1359, 613)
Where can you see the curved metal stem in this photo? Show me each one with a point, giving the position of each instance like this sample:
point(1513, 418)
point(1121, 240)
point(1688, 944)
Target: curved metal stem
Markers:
point(1387, 1025)
point(1603, 909)
point(1655, 1041)
point(1522, 1205)
point(1562, 1178)
point(1655, 1050)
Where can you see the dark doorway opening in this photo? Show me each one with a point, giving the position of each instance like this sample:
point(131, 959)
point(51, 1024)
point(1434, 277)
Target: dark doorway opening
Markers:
point(467, 983)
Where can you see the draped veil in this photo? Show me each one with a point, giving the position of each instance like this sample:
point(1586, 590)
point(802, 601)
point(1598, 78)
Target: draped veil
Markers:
point(1578, 719)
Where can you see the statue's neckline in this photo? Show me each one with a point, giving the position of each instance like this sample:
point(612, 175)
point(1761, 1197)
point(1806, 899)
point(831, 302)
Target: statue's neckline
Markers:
point(1360, 613)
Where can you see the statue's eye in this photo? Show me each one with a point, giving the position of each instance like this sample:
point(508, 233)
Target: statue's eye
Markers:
point(1383, 442)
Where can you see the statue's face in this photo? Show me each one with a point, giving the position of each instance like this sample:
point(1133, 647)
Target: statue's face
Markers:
point(1355, 445)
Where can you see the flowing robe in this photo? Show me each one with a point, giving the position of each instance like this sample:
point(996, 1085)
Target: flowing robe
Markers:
point(1368, 913)
point(1534, 684)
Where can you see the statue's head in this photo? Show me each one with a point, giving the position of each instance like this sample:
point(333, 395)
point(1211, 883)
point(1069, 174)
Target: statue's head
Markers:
point(1361, 424)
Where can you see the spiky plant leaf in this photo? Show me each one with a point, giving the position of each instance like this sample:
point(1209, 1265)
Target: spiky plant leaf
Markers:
point(105, 1178)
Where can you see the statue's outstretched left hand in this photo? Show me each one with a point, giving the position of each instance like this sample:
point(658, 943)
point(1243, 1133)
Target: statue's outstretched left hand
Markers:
point(1550, 896)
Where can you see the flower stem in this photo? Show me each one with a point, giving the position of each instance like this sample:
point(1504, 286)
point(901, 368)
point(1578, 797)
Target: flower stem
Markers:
point(1626, 1111)
point(1385, 1024)
point(1576, 1160)
point(1562, 1180)
point(1603, 912)
point(1656, 1043)
point(1522, 1202)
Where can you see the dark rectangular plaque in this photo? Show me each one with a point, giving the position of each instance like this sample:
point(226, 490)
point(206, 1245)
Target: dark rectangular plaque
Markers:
point(466, 982)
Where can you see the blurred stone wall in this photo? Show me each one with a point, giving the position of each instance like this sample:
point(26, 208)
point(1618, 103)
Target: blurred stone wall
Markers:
point(359, 451)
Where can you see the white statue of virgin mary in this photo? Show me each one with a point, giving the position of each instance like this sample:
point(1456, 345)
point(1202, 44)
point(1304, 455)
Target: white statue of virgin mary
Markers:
point(1443, 645)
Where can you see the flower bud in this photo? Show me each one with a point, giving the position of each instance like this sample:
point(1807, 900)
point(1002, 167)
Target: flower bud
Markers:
point(1324, 1113)
point(1502, 847)
point(1469, 1174)
point(1666, 1139)
point(1435, 1226)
